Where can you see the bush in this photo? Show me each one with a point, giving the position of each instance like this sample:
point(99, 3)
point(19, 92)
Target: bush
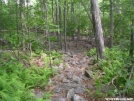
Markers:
point(115, 66)
point(17, 80)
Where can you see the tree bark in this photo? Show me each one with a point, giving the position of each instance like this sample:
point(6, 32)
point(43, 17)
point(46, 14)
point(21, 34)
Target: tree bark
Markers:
point(72, 18)
point(132, 40)
point(53, 11)
point(97, 29)
point(111, 22)
point(65, 41)
point(60, 24)
point(22, 4)
point(57, 19)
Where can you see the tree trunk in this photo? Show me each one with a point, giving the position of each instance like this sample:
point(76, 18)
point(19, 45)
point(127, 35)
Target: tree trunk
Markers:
point(57, 19)
point(22, 4)
point(111, 22)
point(60, 24)
point(97, 29)
point(72, 18)
point(53, 10)
point(65, 41)
point(132, 40)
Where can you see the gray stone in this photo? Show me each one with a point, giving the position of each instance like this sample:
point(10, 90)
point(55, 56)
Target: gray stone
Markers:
point(68, 53)
point(78, 98)
point(67, 59)
point(38, 94)
point(58, 77)
point(76, 79)
point(1, 51)
point(69, 75)
point(73, 62)
point(85, 78)
point(91, 61)
point(58, 99)
point(105, 88)
point(83, 60)
point(86, 57)
point(64, 80)
point(70, 93)
point(89, 86)
point(58, 89)
point(72, 85)
point(80, 90)
point(84, 65)
point(88, 73)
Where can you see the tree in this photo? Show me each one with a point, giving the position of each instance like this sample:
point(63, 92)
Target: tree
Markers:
point(111, 22)
point(65, 41)
point(97, 29)
point(22, 4)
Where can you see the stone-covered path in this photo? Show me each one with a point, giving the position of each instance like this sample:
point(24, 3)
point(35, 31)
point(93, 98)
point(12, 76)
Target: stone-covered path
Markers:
point(71, 84)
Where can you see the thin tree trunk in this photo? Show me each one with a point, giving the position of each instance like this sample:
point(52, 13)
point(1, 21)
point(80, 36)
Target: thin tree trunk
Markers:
point(132, 40)
point(65, 41)
point(97, 29)
point(60, 24)
point(111, 22)
point(17, 27)
point(22, 4)
point(57, 19)
point(53, 11)
point(72, 18)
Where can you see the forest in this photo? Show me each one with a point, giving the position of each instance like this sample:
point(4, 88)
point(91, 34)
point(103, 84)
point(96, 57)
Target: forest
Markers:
point(66, 50)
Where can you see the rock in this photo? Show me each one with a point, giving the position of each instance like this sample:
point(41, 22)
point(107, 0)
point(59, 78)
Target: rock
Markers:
point(72, 85)
point(64, 80)
point(83, 60)
point(58, 68)
point(78, 98)
point(58, 99)
point(68, 53)
point(69, 75)
point(89, 86)
point(80, 90)
point(67, 59)
point(76, 79)
point(38, 94)
point(91, 61)
point(58, 89)
point(105, 88)
point(84, 65)
point(61, 67)
point(1, 51)
point(73, 62)
point(86, 57)
point(70, 93)
point(58, 77)
point(88, 73)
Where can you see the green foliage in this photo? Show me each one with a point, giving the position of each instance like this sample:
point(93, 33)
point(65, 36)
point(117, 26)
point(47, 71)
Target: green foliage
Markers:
point(53, 39)
point(17, 80)
point(116, 72)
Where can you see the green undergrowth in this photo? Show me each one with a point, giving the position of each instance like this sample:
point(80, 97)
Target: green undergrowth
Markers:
point(116, 70)
point(17, 81)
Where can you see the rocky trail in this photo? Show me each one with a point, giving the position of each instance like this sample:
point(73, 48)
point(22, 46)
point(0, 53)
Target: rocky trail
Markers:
point(74, 77)
point(72, 82)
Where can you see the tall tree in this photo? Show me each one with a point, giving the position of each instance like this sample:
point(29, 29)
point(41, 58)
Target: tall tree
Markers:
point(65, 41)
point(132, 40)
point(60, 24)
point(72, 17)
point(22, 4)
point(111, 22)
point(97, 29)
